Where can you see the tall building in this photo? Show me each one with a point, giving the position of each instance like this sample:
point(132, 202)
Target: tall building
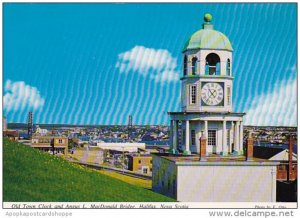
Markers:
point(209, 162)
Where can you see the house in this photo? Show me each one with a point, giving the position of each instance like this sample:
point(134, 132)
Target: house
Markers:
point(11, 134)
point(279, 155)
point(56, 144)
point(40, 131)
point(140, 163)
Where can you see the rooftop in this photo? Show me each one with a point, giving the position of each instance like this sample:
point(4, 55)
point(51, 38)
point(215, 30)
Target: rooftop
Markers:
point(272, 153)
point(215, 159)
point(207, 113)
point(265, 152)
point(48, 136)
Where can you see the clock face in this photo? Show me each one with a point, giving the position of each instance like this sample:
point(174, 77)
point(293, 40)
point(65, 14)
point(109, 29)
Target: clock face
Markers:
point(212, 94)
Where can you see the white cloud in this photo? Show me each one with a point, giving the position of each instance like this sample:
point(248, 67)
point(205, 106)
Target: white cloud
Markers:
point(165, 76)
point(277, 108)
point(159, 63)
point(19, 95)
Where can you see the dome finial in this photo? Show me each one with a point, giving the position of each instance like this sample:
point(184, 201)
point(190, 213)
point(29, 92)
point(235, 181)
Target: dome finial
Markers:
point(207, 21)
point(207, 17)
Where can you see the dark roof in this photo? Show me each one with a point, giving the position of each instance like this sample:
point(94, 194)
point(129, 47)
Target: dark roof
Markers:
point(138, 155)
point(265, 152)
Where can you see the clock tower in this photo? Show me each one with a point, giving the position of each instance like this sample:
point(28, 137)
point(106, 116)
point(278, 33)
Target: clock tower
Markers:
point(206, 97)
point(206, 158)
point(207, 77)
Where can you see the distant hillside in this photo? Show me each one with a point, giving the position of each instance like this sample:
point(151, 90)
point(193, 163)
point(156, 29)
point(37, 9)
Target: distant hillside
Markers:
point(55, 126)
point(30, 175)
point(273, 127)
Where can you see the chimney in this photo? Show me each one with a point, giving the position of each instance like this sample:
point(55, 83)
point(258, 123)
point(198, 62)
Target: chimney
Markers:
point(290, 170)
point(249, 148)
point(202, 147)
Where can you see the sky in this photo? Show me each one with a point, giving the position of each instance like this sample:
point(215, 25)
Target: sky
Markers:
point(97, 64)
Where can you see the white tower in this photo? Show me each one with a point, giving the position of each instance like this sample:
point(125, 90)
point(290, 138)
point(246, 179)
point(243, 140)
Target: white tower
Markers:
point(206, 96)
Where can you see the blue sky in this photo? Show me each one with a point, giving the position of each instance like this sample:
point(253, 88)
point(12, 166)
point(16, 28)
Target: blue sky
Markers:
point(99, 63)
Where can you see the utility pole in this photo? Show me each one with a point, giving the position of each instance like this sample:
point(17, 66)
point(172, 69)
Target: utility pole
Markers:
point(290, 166)
point(52, 145)
point(52, 141)
point(123, 159)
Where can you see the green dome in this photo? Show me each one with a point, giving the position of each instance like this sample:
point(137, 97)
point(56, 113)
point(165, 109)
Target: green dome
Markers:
point(208, 38)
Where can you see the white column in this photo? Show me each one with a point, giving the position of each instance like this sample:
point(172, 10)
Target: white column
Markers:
point(241, 151)
point(224, 144)
point(187, 136)
point(175, 135)
point(236, 136)
point(231, 136)
point(206, 128)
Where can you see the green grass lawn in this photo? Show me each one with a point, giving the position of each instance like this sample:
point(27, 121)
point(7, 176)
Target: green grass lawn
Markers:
point(30, 175)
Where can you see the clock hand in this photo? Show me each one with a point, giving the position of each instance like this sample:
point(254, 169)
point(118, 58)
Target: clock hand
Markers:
point(214, 93)
point(211, 93)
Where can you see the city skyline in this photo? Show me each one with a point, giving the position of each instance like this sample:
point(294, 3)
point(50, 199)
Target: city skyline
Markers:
point(100, 63)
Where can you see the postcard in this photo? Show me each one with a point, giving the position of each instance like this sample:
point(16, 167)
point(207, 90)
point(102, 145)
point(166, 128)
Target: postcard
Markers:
point(149, 106)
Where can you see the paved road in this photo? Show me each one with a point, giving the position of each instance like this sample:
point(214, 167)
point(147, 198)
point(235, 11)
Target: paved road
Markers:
point(85, 155)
